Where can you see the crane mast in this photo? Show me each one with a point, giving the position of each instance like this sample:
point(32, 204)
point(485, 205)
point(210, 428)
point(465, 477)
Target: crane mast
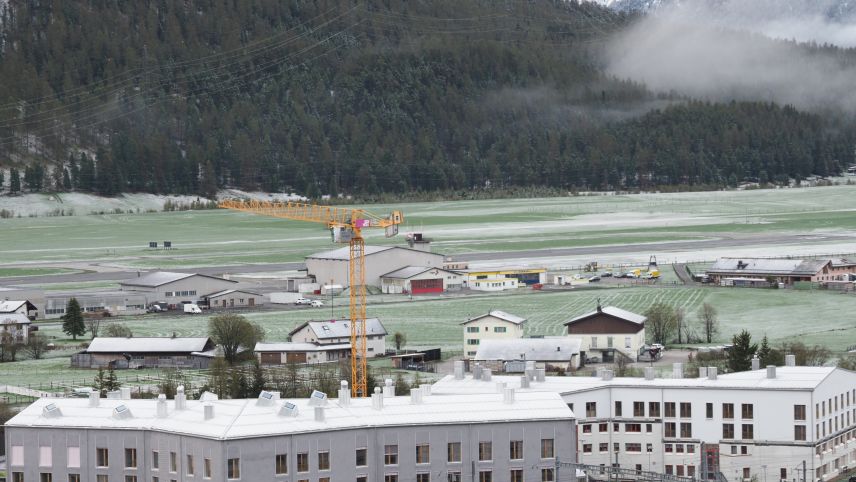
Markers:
point(346, 226)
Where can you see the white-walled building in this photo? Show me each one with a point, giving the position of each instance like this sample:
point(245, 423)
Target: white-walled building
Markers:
point(299, 352)
point(337, 332)
point(495, 325)
point(608, 330)
point(551, 353)
point(332, 266)
point(16, 326)
point(22, 307)
point(419, 280)
point(176, 288)
point(738, 424)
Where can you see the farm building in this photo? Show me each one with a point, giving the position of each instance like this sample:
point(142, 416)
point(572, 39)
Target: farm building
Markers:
point(298, 352)
point(22, 307)
point(420, 280)
point(332, 266)
point(495, 325)
point(175, 288)
point(164, 352)
point(504, 279)
point(233, 299)
point(114, 302)
point(552, 353)
point(787, 271)
point(15, 325)
point(337, 332)
point(608, 330)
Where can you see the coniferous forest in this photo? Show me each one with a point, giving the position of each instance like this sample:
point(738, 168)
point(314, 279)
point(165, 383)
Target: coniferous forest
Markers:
point(366, 98)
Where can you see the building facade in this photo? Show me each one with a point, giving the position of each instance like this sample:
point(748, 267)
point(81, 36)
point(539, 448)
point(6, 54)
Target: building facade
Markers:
point(297, 352)
point(116, 303)
point(15, 327)
point(495, 325)
point(337, 332)
point(609, 330)
point(390, 439)
point(332, 266)
point(419, 280)
point(227, 299)
point(176, 288)
point(508, 355)
point(145, 352)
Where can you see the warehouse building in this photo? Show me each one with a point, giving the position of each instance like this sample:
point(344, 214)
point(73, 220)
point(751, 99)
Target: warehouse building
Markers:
point(337, 332)
point(738, 426)
point(495, 324)
point(487, 437)
point(297, 352)
point(786, 271)
point(504, 279)
point(176, 288)
point(233, 299)
point(146, 352)
point(420, 280)
point(332, 266)
point(114, 302)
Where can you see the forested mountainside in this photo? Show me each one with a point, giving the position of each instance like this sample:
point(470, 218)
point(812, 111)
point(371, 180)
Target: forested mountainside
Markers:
point(363, 97)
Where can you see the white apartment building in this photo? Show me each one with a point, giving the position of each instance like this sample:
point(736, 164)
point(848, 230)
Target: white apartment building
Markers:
point(338, 332)
point(763, 422)
point(495, 325)
point(484, 437)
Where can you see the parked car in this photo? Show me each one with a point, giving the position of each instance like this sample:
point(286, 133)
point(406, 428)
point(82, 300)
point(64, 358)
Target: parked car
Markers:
point(192, 309)
point(592, 359)
point(316, 303)
point(606, 274)
point(594, 279)
point(302, 301)
point(658, 346)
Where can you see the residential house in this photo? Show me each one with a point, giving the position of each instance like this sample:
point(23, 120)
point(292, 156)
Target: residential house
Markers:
point(495, 324)
point(608, 330)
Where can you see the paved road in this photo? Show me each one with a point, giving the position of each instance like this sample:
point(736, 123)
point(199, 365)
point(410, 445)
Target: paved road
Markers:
point(683, 245)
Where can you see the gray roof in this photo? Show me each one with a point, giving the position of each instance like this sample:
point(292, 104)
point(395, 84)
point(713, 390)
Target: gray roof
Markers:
point(226, 292)
point(299, 347)
point(614, 312)
point(411, 271)
point(760, 266)
point(343, 254)
point(501, 315)
point(340, 328)
point(148, 345)
point(560, 348)
point(160, 278)
point(9, 306)
point(14, 319)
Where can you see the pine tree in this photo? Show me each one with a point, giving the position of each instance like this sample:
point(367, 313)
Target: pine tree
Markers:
point(764, 352)
point(72, 320)
point(14, 181)
point(100, 383)
point(741, 352)
point(112, 382)
point(258, 379)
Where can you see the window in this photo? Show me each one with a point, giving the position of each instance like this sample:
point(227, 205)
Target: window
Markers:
point(73, 477)
point(728, 410)
point(638, 409)
point(799, 412)
point(747, 432)
point(547, 451)
point(747, 474)
point(649, 428)
point(17, 477)
point(744, 450)
point(617, 409)
point(547, 475)
point(668, 448)
point(708, 410)
point(472, 341)
point(131, 458)
point(690, 448)
point(669, 408)
point(485, 476)
point(390, 478)
point(603, 447)
point(303, 462)
point(361, 457)
point(471, 329)
point(233, 468)
point(281, 464)
point(390, 455)
point(609, 342)
point(453, 452)
point(362, 478)
point(45, 477)
point(747, 411)
point(633, 447)
point(453, 477)
point(73, 457)
point(130, 478)
point(586, 448)
point(499, 329)
point(670, 430)
point(45, 457)
point(627, 343)
point(516, 475)
point(101, 457)
point(686, 430)
point(155, 460)
point(323, 460)
point(633, 427)
point(649, 447)
point(423, 454)
point(686, 410)
point(189, 466)
point(727, 430)
point(515, 450)
point(423, 477)
point(591, 409)
point(594, 342)
point(99, 478)
point(173, 462)
point(653, 409)
point(799, 432)
point(206, 468)
point(485, 451)
point(603, 428)
point(587, 428)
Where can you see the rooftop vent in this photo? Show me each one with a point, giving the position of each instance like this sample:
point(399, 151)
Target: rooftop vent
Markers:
point(180, 398)
point(319, 414)
point(114, 395)
point(790, 360)
point(649, 373)
point(122, 412)
point(500, 387)
point(771, 371)
point(377, 399)
point(317, 399)
point(702, 372)
point(540, 373)
point(208, 397)
point(486, 374)
point(459, 370)
point(711, 373)
point(125, 393)
point(756, 363)
point(677, 370)
point(416, 396)
point(477, 372)
point(524, 382)
point(208, 410)
point(607, 375)
point(51, 410)
point(288, 409)
point(344, 394)
point(162, 410)
point(508, 396)
point(265, 399)
point(388, 388)
point(741, 264)
point(94, 398)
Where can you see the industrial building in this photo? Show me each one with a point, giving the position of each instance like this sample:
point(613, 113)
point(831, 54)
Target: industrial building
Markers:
point(486, 437)
point(495, 324)
point(114, 302)
point(176, 288)
point(609, 330)
point(418, 280)
point(297, 352)
point(337, 332)
point(504, 279)
point(509, 355)
point(233, 299)
point(145, 352)
point(331, 267)
point(740, 426)
point(751, 271)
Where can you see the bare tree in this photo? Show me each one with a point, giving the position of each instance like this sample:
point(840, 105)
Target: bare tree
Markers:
point(37, 345)
point(661, 322)
point(399, 339)
point(8, 347)
point(93, 325)
point(680, 323)
point(709, 321)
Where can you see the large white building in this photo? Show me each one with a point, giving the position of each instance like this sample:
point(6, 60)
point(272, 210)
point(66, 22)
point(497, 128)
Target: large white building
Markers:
point(494, 325)
point(741, 425)
point(422, 438)
point(331, 267)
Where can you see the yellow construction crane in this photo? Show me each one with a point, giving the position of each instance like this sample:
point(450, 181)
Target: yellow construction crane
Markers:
point(346, 226)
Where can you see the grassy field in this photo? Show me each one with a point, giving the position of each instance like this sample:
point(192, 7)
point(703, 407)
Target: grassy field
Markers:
point(204, 238)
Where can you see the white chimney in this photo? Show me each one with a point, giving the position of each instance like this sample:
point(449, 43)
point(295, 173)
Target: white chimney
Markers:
point(649, 373)
point(607, 375)
point(288, 409)
point(51, 410)
point(161, 407)
point(790, 360)
point(530, 374)
point(598, 372)
point(114, 395)
point(702, 372)
point(486, 374)
point(265, 399)
point(771, 371)
point(122, 412)
point(125, 392)
point(344, 394)
point(319, 414)
point(508, 396)
point(756, 363)
point(180, 398)
point(317, 399)
point(459, 370)
point(208, 410)
point(540, 373)
point(415, 396)
point(500, 387)
point(377, 399)
point(711, 373)
point(524, 382)
point(677, 370)
point(388, 388)
point(94, 398)
point(477, 372)
point(426, 389)
point(530, 365)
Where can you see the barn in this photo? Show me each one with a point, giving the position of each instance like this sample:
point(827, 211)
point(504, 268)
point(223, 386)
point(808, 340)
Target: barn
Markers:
point(421, 280)
point(143, 352)
point(331, 267)
point(299, 352)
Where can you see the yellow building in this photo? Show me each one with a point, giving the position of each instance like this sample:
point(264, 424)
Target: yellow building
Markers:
point(504, 279)
point(494, 325)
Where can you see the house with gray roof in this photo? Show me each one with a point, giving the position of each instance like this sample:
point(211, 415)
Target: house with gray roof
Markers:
point(608, 331)
point(788, 271)
point(494, 324)
point(23, 307)
point(301, 352)
point(146, 352)
point(335, 332)
point(551, 353)
point(16, 326)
